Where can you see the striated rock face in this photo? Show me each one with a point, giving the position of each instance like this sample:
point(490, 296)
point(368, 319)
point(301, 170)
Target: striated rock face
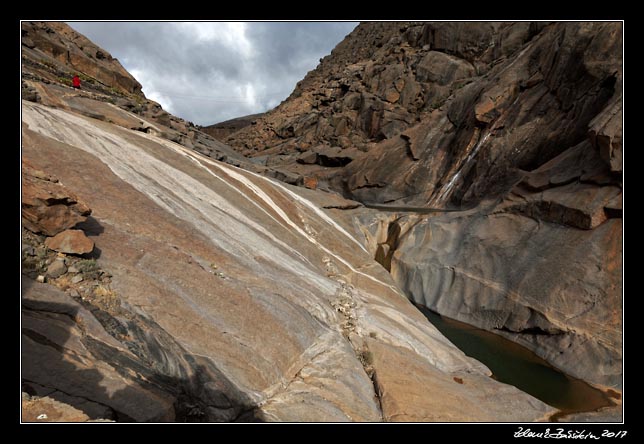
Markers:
point(521, 123)
point(236, 297)
point(52, 53)
point(232, 297)
point(554, 289)
point(107, 94)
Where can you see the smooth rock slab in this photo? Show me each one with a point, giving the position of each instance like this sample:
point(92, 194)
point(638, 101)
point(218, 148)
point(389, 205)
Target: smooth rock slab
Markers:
point(468, 397)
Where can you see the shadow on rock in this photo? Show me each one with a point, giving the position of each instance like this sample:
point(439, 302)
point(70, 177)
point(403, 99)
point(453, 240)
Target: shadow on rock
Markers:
point(124, 367)
point(91, 226)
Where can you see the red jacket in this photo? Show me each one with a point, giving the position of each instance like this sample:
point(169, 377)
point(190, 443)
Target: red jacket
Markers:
point(76, 82)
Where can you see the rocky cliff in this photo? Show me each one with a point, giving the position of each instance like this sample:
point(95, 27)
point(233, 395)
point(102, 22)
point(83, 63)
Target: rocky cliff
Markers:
point(222, 130)
point(210, 292)
point(57, 49)
point(520, 124)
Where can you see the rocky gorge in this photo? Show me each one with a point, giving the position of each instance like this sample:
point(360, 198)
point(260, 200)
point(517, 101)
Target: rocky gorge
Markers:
point(171, 276)
point(517, 123)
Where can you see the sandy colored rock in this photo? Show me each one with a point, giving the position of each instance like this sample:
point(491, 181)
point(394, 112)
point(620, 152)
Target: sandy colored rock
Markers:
point(443, 398)
point(49, 410)
point(61, 45)
point(70, 242)
point(47, 206)
point(237, 297)
point(282, 266)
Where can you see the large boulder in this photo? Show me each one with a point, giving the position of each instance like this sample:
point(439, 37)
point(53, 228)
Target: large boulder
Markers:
point(48, 207)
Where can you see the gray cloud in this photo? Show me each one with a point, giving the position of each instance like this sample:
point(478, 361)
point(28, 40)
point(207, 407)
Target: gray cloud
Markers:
point(207, 72)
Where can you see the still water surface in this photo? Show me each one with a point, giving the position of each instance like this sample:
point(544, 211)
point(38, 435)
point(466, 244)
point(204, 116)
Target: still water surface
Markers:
point(514, 364)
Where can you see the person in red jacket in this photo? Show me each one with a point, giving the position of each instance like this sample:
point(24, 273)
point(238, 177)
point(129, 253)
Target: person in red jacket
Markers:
point(76, 82)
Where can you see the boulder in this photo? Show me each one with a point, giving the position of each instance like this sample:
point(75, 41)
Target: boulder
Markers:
point(308, 158)
point(47, 206)
point(70, 242)
point(57, 268)
point(441, 68)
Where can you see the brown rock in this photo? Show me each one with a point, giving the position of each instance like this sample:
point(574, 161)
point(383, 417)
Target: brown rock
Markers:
point(47, 206)
point(476, 76)
point(308, 158)
point(572, 189)
point(49, 410)
point(284, 262)
point(70, 242)
point(442, 68)
point(223, 129)
point(392, 95)
point(311, 183)
point(399, 373)
point(494, 102)
point(286, 265)
point(59, 45)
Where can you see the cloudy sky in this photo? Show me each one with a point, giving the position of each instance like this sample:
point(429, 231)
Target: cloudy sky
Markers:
point(208, 72)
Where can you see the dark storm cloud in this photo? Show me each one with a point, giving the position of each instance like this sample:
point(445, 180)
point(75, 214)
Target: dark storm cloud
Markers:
point(207, 72)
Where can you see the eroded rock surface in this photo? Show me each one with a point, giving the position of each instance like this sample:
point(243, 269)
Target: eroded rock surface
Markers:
point(518, 123)
point(448, 113)
point(232, 296)
point(237, 297)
